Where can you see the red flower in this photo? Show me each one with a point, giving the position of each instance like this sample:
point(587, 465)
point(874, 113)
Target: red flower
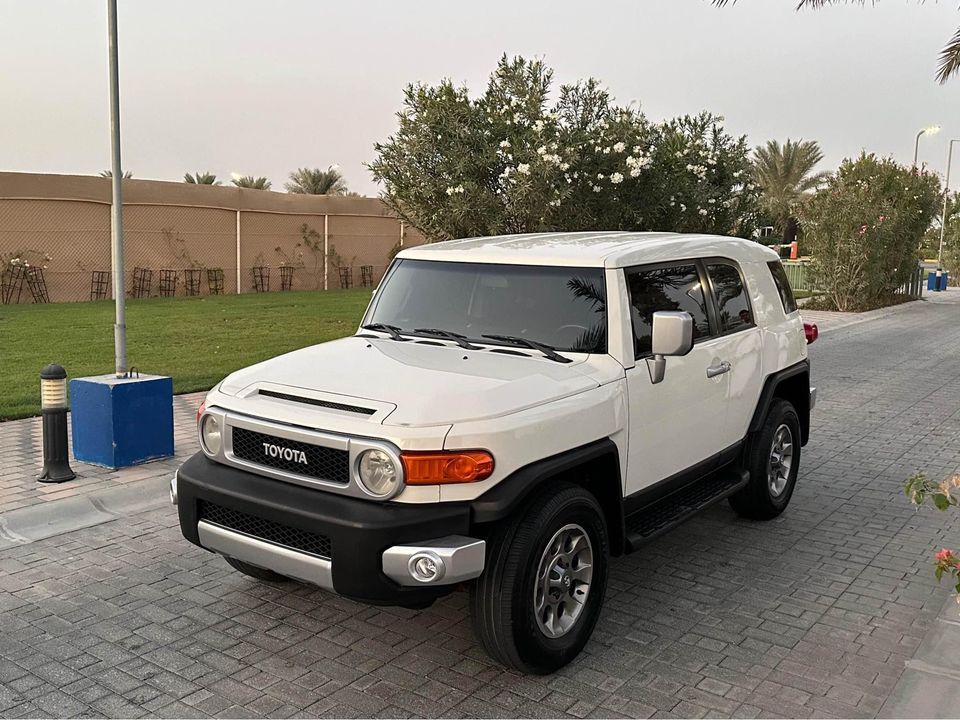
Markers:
point(944, 555)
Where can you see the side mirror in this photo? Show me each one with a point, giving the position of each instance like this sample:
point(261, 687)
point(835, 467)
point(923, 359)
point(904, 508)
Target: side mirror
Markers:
point(672, 335)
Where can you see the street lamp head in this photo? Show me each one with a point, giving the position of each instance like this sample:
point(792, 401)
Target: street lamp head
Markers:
point(932, 130)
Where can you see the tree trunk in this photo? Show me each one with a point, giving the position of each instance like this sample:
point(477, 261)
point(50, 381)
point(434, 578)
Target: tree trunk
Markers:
point(790, 229)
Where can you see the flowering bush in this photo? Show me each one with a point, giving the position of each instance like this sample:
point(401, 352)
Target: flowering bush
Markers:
point(23, 258)
point(943, 495)
point(509, 161)
point(864, 230)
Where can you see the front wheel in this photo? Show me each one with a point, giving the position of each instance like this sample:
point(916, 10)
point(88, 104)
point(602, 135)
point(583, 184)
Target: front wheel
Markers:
point(773, 461)
point(537, 602)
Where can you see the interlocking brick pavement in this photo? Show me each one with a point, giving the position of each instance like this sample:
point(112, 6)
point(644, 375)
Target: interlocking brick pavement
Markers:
point(21, 459)
point(811, 614)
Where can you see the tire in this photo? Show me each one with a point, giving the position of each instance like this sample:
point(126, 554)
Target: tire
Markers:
point(257, 573)
point(771, 482)
point(502, 600)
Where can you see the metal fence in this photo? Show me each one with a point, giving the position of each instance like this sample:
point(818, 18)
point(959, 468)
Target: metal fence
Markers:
point(799, 276)
point(184, 239)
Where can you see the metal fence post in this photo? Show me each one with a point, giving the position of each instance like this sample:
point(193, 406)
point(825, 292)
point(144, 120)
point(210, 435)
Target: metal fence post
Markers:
point(326, 250)
point(238, 251)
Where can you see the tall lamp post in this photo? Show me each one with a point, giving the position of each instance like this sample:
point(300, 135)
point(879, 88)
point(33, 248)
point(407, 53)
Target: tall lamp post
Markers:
point(116, 215)
point(932, 130)
point(946, 200)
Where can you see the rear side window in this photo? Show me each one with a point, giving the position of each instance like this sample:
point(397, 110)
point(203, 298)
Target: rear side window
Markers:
point(665, 288)
point(783, 286)
point(732, 301)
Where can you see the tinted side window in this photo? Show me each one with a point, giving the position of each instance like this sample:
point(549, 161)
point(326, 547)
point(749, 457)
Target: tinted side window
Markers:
point(732, 300)
point(783, 286)
point(670, 288)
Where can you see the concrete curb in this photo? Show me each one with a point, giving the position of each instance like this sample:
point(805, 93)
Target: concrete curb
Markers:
point(49, 519)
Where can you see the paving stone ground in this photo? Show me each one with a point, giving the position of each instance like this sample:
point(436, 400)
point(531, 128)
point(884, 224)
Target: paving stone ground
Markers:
point(812, 614)
point(21, 460)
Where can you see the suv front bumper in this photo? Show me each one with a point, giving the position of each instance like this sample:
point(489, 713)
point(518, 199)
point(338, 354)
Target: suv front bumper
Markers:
point(361, 549)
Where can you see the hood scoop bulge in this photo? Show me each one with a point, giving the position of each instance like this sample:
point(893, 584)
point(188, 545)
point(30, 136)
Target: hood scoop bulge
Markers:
point(318, 403)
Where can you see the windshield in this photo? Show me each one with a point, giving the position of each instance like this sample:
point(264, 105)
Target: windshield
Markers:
point(559, 306)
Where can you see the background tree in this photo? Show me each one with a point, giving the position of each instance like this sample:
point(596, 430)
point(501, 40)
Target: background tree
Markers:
point(864, 229)
point(512, 161)
point(951, 239)
point(948, 63)
point(251, 182)
point(201, 178)
point(314, 181)
point(109, 174)
point(784, 174)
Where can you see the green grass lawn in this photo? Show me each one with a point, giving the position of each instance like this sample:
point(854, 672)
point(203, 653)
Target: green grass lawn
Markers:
point(197, 341)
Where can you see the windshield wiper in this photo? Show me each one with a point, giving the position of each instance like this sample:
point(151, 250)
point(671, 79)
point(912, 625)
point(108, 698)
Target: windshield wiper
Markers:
point(547, 351)
point(392, 330)
point(459, 339)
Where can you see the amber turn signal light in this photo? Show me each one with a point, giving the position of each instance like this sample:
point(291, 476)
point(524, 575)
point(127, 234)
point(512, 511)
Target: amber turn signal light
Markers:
point(200, 410)
point(438, 468)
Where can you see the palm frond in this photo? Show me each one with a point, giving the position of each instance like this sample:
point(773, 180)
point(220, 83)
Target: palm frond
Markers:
point(314, 181)
point(949, 62)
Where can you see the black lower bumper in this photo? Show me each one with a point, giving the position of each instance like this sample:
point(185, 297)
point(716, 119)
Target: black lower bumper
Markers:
point(358, 530)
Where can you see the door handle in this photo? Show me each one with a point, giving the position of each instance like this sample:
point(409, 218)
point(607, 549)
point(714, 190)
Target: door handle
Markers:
point(720, 369)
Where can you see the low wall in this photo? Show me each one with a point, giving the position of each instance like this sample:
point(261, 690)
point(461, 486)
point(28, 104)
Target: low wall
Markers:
point(60, 225)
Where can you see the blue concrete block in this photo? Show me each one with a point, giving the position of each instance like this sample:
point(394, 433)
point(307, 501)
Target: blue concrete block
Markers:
point(118, 422)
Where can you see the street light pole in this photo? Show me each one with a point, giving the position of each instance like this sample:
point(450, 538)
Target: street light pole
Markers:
point(946, 199)
point(116, 215)
point(932, 130)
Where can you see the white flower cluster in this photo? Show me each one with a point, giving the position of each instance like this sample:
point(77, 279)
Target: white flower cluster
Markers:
point(699, 170)
point(551, 158)
point(637, 164)
point(616, 178)
point(458, 190)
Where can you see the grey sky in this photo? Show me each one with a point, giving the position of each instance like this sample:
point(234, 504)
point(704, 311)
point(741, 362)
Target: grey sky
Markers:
point(263, 87)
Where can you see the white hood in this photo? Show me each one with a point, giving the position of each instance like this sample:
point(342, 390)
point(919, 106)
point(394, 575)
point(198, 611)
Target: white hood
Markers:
point(416, 384)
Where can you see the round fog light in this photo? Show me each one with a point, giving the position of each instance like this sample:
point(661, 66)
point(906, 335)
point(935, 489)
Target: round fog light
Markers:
point(378, 472)
point(426, 567)
point(210, 435)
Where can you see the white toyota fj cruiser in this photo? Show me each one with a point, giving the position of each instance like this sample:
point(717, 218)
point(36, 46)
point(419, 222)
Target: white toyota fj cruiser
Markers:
point(513, 411)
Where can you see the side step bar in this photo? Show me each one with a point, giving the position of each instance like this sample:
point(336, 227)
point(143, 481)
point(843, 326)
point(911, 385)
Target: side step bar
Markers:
point(666, 513)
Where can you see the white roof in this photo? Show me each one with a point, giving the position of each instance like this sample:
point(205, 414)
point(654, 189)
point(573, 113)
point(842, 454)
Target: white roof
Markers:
point(590, 249)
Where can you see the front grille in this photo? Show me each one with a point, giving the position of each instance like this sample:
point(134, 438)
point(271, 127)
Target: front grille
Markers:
point(291, 537)
point(319, 403)
point(291, 456)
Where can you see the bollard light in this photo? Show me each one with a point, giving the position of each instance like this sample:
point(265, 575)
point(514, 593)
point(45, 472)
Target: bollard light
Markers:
point(53, 404)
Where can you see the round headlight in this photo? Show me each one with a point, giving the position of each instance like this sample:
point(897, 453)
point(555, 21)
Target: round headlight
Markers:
point(210, 434)
point(379, 474)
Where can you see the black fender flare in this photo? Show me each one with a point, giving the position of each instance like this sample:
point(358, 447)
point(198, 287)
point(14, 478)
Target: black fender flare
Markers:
point(801, 401)
point(601, 457)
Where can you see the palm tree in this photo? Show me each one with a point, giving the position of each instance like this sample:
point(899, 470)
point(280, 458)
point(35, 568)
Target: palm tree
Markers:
point(109, 174)
point(201, 178)
point(314, 181)
point(785, 176)
point(949, 62)
point(249, 181)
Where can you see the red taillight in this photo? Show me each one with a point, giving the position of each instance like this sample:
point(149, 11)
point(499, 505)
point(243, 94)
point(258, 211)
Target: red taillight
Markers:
point(203, 406)
point(811, 331)
point(438, 468)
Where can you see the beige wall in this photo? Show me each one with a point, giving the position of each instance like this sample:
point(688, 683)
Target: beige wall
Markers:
point(179, 226)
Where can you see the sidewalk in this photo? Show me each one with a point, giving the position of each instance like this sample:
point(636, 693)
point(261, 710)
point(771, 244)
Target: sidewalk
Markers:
point(828, 321)
point(98, 494)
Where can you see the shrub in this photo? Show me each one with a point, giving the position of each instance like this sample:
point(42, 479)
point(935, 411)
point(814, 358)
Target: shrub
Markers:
point(512, 161)
point(864, 230)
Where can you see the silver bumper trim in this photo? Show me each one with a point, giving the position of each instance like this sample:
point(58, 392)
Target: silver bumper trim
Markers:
point(813, 397)
point(173, 490)
point(462, 559)
point(309, 568)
